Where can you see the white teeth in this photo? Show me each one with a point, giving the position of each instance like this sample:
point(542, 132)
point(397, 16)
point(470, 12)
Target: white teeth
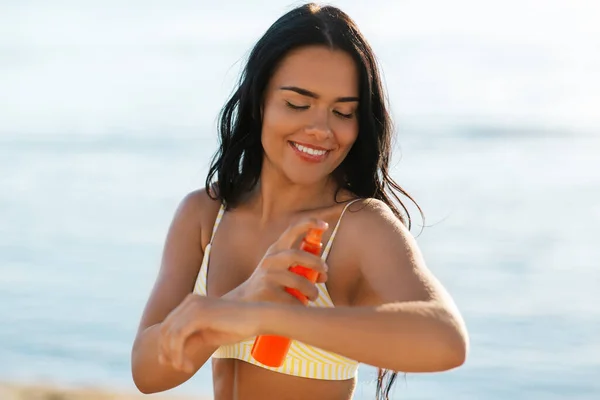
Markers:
point(308, 150)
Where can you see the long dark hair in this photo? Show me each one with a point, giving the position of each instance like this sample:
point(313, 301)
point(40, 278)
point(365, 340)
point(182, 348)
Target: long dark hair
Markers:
point(365, 170)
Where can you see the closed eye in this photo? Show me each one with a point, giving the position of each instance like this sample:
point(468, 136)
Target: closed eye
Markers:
point(347, 116)
point(295, 107)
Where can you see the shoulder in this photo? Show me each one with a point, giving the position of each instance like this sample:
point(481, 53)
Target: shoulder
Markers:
point(197, 204)
point(199, 208)
point(374, 216)
point(373, 232)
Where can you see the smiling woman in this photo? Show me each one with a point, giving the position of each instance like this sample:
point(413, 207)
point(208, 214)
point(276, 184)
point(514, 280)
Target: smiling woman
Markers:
point(305, 143)
point(302, 109)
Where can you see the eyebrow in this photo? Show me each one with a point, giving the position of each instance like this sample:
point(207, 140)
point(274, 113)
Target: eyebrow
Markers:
point(308, 93)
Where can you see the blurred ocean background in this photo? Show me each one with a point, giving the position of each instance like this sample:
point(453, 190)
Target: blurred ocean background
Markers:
point(107, 119)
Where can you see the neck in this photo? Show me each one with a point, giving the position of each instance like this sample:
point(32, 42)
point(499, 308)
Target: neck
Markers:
point(276, 197)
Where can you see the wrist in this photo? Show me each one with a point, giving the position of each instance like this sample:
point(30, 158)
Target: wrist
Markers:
point(236, 294)
point(267, 316)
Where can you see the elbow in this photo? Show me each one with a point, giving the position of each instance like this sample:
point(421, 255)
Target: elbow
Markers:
point(141, 386)
point(439, 344)
point(456, 355)
point(449, 346)
point(454, 348)
point(143, 389)
point(151, 379)
point(138, 380)
point(140, 377)
point(440, 355)
point(453, 339)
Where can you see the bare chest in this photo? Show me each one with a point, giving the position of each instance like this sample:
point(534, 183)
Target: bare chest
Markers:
point(237, 250)
point(233, 258)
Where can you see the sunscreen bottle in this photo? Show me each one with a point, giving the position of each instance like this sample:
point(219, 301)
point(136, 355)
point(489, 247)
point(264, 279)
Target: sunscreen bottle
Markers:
point(271, 350)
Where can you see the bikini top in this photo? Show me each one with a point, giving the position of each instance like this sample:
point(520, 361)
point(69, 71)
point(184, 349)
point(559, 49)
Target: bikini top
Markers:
point(302, 360)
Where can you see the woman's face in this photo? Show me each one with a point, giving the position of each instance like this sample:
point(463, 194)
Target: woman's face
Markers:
point(309, 114)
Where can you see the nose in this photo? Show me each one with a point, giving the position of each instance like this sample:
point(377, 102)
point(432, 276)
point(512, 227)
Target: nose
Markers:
point(319, 128)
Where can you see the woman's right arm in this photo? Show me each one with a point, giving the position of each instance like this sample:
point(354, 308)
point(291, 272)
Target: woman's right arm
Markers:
point(181, 261)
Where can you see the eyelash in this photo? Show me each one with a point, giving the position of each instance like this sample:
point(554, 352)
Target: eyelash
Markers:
point(298, 108)
point(295, 107)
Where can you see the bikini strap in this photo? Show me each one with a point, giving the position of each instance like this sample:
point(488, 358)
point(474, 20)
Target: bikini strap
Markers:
point(217, 221)
point(332, 237)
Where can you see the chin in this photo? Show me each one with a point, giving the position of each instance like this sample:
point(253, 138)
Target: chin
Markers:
point(305, 178)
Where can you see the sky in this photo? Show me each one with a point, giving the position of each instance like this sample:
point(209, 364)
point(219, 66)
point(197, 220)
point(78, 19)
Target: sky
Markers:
point(94, 67)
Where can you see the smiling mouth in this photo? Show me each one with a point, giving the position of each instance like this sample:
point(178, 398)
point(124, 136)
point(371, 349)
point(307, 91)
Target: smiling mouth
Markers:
point(309, 150)
point(309, 154)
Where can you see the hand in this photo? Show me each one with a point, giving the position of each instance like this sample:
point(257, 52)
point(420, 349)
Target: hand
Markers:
point(272, 275)
point(210, 321)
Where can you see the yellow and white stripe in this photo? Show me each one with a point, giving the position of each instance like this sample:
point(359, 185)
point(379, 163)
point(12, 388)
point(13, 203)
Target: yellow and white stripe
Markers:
point(302, 360)
point(200, 286)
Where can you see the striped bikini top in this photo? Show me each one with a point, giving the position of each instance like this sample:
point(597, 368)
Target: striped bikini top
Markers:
point(302, 360)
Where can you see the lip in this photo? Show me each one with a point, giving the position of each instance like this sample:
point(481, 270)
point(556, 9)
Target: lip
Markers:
point(309, 157)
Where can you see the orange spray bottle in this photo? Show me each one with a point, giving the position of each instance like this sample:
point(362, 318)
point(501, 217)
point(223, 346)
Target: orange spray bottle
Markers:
point(271, 350)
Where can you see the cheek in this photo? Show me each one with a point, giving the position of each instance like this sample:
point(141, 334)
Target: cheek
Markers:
point(276, 124)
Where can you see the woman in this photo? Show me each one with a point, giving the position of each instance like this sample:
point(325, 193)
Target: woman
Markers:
point(305, 142)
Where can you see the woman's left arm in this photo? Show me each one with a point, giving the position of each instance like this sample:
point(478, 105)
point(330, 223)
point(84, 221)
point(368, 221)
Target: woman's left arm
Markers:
point(402, 318)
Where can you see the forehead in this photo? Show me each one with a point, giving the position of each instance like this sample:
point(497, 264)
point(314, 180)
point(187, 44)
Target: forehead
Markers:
point(319, 69)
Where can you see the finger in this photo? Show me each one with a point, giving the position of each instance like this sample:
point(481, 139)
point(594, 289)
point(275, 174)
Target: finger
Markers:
point(295, 231)
point(193, 341)
point(186, 363)
point(294, 281)
point(293, 297)
point(292, 257)
point(180, 330)
point(188, 366)
point(163, 349)
point(322, 278)
point(192, 321)
point(165, 330)
point(162, 360)
point(175, 348)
